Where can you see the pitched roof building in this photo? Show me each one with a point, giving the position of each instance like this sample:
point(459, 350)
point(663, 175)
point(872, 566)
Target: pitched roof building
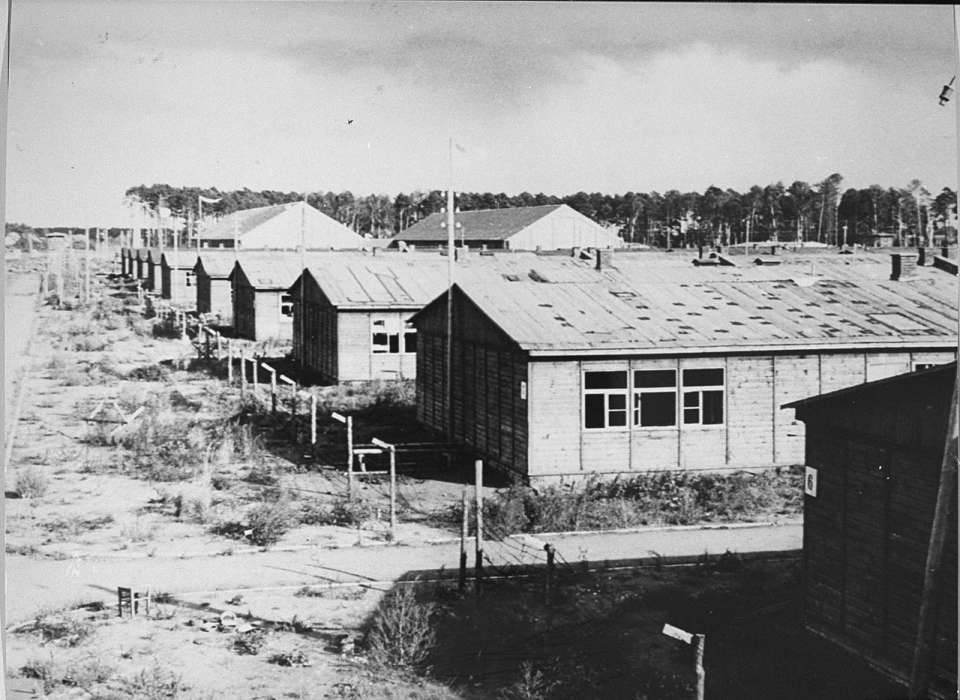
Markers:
point(547, 227)
point(279, 227)
point(554, 377)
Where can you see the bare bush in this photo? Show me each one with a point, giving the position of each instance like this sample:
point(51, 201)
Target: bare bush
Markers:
point(31, 482)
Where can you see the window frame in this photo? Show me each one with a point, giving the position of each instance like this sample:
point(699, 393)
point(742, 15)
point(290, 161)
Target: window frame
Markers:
point(698, 390)
point(286, 300)
point(606, 393)
point(637, 392)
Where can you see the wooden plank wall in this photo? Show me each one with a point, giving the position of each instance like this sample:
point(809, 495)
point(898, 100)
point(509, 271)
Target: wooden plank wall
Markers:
point(489, 413)
point(866, 531)
point(757, 432)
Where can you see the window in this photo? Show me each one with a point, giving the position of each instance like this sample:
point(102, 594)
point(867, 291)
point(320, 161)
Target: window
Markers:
point(604, 399)
point(385, 337)
point(286, 305)
point(920, 366)
point(189, 278)
point(655, 397)
point(703, 396)
point(409, 337)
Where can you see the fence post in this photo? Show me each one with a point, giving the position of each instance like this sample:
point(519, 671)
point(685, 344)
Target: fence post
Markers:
point(313, 419)
point(698, 642)
point(350, 457)
point(206, 338)
point(243, 370)
point(183, 324)
point(393, 492)
point(256, 374)
point(218, 346)
point(550, 567)
point(463, 540)
point(478, 474)
point(229, 362)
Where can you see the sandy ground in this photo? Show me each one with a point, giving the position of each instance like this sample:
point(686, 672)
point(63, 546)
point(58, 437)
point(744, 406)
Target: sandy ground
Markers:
point(53, 567)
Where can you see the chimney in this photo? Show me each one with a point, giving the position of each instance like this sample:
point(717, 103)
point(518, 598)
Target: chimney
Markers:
point(604, 259)
point(902, 265)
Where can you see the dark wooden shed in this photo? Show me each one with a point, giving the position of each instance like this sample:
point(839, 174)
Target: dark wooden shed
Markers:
point(874, 454)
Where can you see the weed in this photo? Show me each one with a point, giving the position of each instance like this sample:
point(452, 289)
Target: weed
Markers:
point(149, 373)
point(44, 670)
point(154, 683)
point(345, 513)
point(87, 672)
point(63, 631)
point(294, 657)
point(25, 550)
point(330, 592)
point(76, 525)
point(250, 642)
point(401, 635)
point(31, 482)
point(532, 685)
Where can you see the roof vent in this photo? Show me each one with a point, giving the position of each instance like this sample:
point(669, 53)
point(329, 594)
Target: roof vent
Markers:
point(902, 265)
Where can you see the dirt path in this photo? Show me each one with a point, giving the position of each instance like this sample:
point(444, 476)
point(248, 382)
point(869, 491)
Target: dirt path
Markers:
point(34, 584)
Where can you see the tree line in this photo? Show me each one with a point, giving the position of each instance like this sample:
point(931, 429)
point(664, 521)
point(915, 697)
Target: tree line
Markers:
point(822, 211)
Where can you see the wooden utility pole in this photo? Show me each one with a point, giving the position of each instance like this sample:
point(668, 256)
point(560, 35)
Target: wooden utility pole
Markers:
point(392, 449)
point(478, 478)
point(464, 527)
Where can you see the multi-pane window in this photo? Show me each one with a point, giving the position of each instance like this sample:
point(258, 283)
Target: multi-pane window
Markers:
point(655, 397)
point(189, 278)
point(409, 337)
point(604, 399)
point(387, 336)
point(702, 396)
point(286, 305)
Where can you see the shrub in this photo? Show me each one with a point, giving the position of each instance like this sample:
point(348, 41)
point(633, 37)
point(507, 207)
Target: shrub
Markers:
point(249, 642)
point(87, 672)
point(269, 522)
point(31, 482)
point(76, 525)
point(351, 513)
point(401, 635)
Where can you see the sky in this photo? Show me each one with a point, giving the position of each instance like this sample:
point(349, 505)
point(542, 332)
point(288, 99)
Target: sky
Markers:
point(537, 97)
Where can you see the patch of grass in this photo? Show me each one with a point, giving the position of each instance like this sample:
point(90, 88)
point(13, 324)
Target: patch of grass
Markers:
point(344, 512)
point(657, 498)
point(25, 550)
point(31, 482)
point(149, 373)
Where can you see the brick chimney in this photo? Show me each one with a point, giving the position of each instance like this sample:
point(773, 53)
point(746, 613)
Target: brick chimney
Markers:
point(604, 259)
point(902, 265)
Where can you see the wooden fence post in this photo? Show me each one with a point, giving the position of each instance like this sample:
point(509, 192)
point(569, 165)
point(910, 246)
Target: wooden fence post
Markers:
point(350, 457)
point(229, 362)
point(478, 474)
point(551, 553)
point(256, 374)
point(698, 642)
point(464, 526)
point(393, 492)
point(243, 370)
point(313, 419)
point(219, 350)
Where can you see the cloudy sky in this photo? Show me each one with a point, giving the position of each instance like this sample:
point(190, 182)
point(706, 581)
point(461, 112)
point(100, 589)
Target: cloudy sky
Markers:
point(539, 97)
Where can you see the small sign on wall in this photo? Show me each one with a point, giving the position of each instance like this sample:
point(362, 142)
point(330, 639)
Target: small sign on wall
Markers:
point(523, 390)
point(810, 482)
